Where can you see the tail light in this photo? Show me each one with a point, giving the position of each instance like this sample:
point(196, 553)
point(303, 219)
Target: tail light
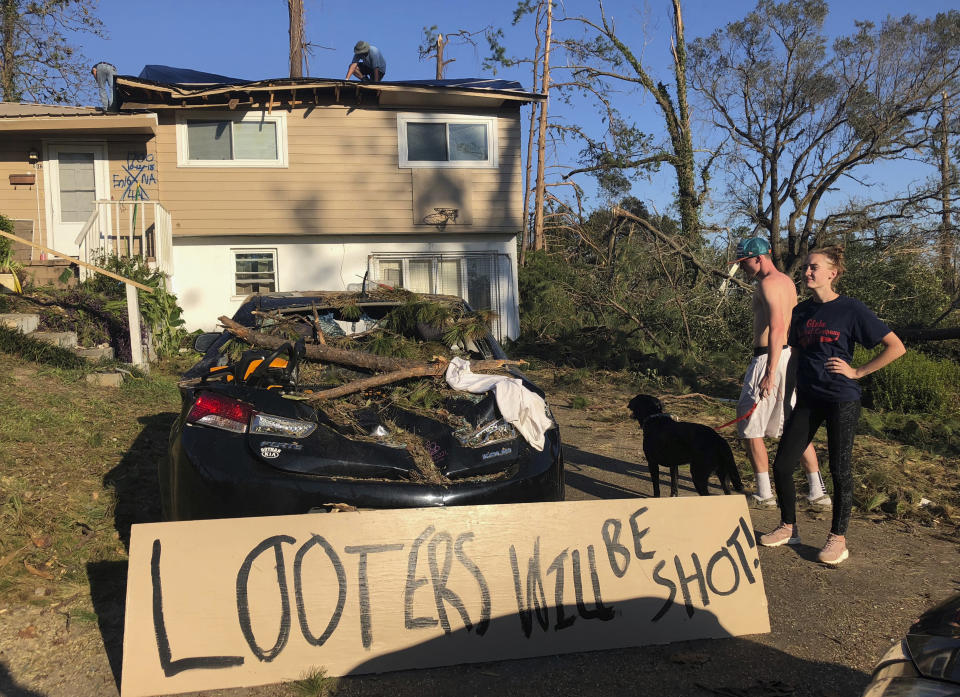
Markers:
point(215, 410)
point(218, 411)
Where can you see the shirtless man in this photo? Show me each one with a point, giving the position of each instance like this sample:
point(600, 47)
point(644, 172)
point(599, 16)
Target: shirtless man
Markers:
point(768, 382)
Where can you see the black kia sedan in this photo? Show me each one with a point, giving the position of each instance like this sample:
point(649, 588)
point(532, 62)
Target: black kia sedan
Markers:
point(250, 440)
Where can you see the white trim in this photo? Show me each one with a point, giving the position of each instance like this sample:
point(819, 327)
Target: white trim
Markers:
point(51, 186)
point(256, 250)
point(183, 145)
point(490, 122)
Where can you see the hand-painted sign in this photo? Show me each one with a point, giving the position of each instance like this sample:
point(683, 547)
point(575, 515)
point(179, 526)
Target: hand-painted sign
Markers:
point(138, 172)
point(230, 603)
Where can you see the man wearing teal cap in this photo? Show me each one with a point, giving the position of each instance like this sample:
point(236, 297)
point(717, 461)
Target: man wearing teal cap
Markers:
point(768, 386)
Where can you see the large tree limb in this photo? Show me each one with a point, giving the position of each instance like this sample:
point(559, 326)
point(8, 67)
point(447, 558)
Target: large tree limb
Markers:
point(669, 241)
point(435, 369)
point(355, 359)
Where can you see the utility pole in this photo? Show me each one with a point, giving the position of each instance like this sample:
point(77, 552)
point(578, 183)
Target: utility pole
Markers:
point(539, 242)
point(296, 37)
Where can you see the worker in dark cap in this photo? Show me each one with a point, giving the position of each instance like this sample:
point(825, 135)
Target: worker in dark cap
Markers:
point(368, 63)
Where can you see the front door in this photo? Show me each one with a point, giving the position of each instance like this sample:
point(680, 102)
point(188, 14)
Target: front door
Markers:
point(77, 175)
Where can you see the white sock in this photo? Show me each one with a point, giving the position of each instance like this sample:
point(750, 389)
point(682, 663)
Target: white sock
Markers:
point(817, 489)
point(763, 485)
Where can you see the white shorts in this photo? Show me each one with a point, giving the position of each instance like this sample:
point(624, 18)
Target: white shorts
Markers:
point(768, 418)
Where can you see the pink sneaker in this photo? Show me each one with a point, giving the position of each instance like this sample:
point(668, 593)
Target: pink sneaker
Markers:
point(785, 534)
point(835, 551)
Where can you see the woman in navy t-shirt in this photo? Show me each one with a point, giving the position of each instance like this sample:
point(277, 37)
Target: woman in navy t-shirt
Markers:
point(823, 332)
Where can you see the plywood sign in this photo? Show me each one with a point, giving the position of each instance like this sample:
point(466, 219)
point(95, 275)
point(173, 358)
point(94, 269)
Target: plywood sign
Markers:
point(230, 603)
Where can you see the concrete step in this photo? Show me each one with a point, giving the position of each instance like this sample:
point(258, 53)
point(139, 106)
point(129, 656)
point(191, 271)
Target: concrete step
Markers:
point(26, 323)
point(66, 340)
point(48, 273)
point(94, 354)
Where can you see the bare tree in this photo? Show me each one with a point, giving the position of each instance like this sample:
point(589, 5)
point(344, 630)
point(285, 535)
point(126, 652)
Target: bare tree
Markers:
point(802, 116)
point(37, 61)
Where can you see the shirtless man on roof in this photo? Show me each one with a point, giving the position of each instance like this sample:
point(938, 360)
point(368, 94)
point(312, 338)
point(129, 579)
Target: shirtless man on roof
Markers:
point(769, 382)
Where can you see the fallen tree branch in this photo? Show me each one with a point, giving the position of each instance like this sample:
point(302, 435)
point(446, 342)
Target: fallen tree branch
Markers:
point(320, 352)
point(435, 369)
point(646, 225)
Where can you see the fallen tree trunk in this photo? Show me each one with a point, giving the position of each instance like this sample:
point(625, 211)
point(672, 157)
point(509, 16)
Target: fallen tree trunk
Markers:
point(354, 359)
point(435, 369)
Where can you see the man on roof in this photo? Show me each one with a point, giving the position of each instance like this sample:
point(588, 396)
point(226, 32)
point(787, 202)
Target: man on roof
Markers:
point(368, 63)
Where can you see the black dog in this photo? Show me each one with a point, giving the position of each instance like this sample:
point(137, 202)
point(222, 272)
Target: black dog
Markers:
point(673, 443)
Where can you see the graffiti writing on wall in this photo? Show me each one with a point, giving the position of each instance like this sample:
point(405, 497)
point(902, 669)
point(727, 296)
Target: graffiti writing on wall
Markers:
point(138, 172)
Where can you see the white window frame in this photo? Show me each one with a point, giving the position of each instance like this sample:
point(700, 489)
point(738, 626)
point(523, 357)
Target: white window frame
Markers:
point(183, 144)
point(252, 250)
point(490, 122)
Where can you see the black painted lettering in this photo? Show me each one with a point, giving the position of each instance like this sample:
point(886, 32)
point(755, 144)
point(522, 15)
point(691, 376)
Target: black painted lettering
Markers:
point(243, 602)
point(171, 667)
point(747, 534)
point(667, 583)
point(639, 534)
point(614, 548)
point(535, 602)
point(697, 576)
point(733, 542)
point(556, 567)
point(474, 570)
point(723, 554)
point(439, 576)
point(599, 611)
point(317, 540)
point(409, 621)
point(366, 621)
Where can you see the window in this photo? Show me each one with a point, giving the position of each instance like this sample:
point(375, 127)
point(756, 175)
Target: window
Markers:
point(255, 271)
point(473, 277)
point(233, 140)
point(447, 140)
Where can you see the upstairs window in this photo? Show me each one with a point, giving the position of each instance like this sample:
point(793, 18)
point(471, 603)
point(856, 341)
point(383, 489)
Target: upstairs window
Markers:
point(447, 140)
point(234, 140)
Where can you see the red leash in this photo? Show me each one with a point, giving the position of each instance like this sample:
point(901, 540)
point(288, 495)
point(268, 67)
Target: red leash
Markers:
point(738, 419)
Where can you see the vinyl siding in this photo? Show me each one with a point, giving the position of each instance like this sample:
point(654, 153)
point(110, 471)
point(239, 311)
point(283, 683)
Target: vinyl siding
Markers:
point(342, 178)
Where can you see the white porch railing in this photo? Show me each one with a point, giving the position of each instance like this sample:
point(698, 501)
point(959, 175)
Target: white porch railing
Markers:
point(127, 229)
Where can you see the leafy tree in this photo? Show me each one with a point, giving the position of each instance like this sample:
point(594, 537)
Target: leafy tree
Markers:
point(37, 61)
point(802, 117)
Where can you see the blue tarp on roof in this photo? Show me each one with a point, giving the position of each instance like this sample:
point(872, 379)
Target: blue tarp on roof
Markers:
point(184, 76)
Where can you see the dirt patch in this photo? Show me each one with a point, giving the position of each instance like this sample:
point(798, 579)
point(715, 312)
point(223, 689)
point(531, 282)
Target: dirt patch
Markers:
point(61, 629)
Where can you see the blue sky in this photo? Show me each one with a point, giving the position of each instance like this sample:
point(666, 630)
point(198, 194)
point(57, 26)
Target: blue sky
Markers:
point(249, 40)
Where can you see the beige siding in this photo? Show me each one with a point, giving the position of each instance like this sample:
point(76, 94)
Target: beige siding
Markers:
point(342, 178)
point(20, 202)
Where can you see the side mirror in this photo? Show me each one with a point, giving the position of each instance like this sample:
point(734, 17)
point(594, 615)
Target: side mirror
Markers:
point(203, 342)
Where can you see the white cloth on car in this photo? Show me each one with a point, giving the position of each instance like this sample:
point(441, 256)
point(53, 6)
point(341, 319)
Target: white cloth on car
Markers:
point(525, 410)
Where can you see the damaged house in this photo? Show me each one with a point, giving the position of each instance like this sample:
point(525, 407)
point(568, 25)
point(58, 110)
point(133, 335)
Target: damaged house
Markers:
point(235, 187)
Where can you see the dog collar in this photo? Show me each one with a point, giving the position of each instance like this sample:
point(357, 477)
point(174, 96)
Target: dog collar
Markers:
point(654, 416)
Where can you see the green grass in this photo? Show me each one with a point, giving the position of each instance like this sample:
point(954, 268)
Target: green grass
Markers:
point(314, 683)
point(15, 343)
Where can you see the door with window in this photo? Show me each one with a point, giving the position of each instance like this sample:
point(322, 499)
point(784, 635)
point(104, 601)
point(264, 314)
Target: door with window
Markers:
point(77, 175)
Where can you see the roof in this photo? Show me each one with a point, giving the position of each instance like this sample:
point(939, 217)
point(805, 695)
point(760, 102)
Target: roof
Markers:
point(20, 109)
point(160, 87)
point(22, 116)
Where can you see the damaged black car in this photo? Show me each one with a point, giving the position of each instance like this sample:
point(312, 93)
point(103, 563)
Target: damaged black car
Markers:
point(316, 401)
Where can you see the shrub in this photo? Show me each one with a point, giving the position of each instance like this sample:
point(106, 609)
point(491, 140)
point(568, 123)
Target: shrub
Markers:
point(915, 384)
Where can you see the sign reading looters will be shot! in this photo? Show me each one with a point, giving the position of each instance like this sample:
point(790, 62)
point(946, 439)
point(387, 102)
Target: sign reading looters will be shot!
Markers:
point(250, 601)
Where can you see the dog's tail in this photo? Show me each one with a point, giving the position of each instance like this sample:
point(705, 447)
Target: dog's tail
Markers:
point(729, 470)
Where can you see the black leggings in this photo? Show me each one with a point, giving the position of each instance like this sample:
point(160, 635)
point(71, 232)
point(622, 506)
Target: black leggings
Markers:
point(805, 420)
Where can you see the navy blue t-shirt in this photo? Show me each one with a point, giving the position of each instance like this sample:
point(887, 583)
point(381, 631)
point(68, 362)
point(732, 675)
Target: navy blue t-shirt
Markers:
point(819, 331)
